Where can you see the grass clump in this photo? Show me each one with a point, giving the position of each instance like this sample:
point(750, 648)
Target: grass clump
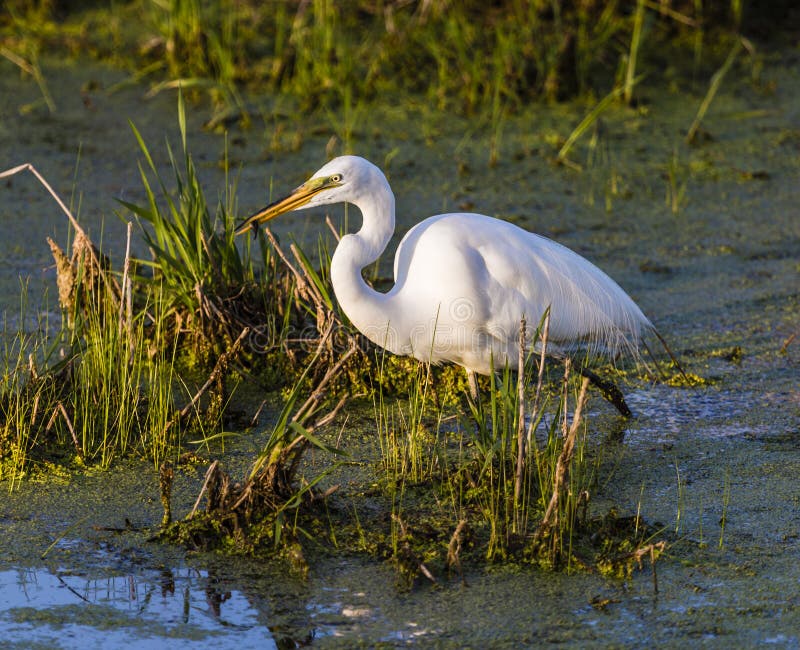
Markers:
point(446, 492)
point(26, 400)
point(206, 285)
point(511, 482)
point(90, 390)
point(147, 354)
point(124, 372)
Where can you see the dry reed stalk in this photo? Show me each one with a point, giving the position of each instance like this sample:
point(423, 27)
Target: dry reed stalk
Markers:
point(80, 233)
point(652, 550)
point(59, 409)
point(166, 475)
point(454, 547)
point(212, 469)
point(126, 301)
point(550, 519)
point(332, 228)
point(540, 379)
point(302, 282)
point(521, 447)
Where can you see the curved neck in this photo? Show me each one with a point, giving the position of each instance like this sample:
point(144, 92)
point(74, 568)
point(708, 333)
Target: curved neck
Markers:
point(368, 309)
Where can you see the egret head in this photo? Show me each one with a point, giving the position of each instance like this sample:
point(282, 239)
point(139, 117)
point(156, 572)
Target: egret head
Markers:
point(342, 179)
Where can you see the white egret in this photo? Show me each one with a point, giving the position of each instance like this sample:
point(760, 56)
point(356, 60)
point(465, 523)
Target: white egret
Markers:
point(463, 281)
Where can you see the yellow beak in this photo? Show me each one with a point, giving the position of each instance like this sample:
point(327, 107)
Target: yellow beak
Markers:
point(297, 199)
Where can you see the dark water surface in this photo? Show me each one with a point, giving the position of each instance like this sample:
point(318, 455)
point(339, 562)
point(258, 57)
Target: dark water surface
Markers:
point(721, 272)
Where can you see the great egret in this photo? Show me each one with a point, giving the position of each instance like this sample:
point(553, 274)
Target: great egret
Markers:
point(463, 281)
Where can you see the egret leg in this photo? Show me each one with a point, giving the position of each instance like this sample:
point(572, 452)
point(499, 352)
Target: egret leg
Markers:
point(608, 389)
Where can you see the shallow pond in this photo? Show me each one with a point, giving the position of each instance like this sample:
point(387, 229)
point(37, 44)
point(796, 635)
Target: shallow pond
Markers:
point(721, 271)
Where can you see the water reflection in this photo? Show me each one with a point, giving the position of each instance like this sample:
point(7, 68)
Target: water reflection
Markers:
point(68, 609)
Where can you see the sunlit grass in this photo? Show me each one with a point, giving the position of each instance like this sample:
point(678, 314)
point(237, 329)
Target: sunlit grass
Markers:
point(25, 402)
point(104, 383)
point(514, 468)
point(459, 56)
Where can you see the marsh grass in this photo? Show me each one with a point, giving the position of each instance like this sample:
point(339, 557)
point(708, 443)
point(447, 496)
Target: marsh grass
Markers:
point(120, 374)
point(196, 266)
point(409, 430)
point(25, 401)
point(464, 481)
point(678, 175)
point(533, 468)
point(123, 374)
point(462, 56)
point(81, 388)
point(90, 387)
point(637, 33)
point(585, 125)
point(508, 479)
point(726, 499)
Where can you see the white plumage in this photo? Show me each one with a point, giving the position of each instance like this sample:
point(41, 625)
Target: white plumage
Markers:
point(463, 281)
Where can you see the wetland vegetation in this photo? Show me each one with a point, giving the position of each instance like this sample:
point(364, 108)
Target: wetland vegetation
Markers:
point(463, 57)
point(115, 379)
point(176, 352)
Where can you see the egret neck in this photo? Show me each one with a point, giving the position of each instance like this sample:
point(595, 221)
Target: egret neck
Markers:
point(369, 310)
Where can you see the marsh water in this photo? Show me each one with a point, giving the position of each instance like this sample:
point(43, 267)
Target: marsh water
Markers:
point(706, 238)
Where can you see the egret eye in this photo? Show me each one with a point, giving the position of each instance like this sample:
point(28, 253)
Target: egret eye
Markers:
point(336, 178)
